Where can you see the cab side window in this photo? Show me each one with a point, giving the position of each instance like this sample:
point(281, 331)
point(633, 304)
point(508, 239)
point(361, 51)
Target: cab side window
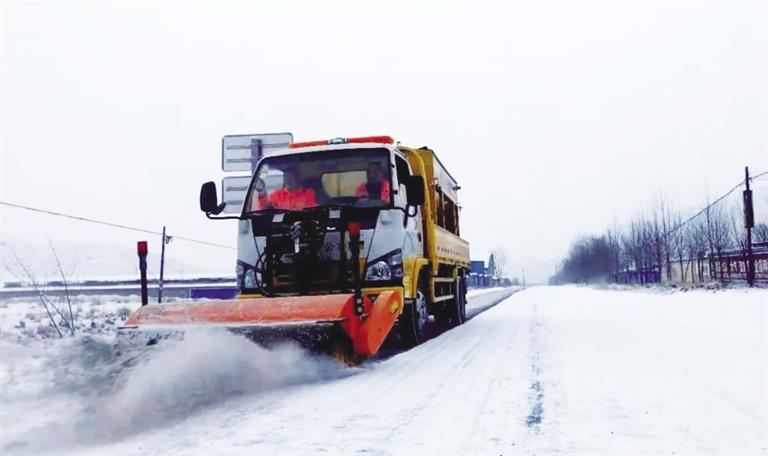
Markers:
point(403, 172)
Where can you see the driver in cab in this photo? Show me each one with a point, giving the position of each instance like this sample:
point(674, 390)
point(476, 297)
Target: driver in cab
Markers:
point(376, 185)
point(291, 196)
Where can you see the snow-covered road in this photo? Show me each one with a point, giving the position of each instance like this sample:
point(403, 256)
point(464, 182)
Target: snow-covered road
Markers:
point(550, 370)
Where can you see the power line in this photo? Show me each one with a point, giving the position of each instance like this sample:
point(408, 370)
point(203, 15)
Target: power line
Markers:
point(735, 187)
point(212, 244)
point(758, 175)
point(114, 225)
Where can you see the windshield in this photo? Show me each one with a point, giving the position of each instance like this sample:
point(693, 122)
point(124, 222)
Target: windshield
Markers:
point(355, 177)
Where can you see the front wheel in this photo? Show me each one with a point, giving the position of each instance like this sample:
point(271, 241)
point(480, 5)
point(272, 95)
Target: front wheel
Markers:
point(413, 320)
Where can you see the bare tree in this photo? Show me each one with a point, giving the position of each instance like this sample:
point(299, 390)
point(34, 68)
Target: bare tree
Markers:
point(667, 223)
point(642, 245)
point(656, 237)
point(65, 283)
point(697, 246)
point(500, 262)
point(737, 231)
point(30, 279)
point(613, 238)
point(53, 309)
point(717, 234)
point(678, 243)
point(760, 232)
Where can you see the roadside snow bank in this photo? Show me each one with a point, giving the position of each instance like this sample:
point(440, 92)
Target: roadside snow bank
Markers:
point(639, 372)
point(472, 292)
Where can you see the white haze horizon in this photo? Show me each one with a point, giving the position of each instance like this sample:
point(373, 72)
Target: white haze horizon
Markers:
point(557, 120)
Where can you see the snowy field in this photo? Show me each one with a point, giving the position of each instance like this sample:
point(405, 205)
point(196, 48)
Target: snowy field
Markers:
point(550, 370)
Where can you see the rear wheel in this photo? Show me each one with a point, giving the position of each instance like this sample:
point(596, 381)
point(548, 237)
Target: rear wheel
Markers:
point(454, 312)
point(413, 320)
point(441, 316)
point(461, 299)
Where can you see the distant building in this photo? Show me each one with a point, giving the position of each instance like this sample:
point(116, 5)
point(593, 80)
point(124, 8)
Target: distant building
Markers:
point(479, 276)
point(491, 266)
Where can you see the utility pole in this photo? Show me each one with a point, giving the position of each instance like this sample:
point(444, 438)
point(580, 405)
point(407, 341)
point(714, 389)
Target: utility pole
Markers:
point(166, 239)
point(749, 223)
point(523, 277)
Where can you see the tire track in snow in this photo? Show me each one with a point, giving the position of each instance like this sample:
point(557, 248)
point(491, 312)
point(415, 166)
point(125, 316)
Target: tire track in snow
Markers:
point(544, 435)
point(533, 421)
point(457, 367)
point(490, 400)
point(451, 409)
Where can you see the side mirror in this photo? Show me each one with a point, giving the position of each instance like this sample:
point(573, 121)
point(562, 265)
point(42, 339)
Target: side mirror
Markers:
point(209, 200)
point(414, 186)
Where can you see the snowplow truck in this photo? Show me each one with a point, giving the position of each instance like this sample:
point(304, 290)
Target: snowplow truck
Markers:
point(341, 242)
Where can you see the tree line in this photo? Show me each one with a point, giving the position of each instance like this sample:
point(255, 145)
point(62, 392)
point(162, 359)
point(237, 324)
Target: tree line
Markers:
point(657, 241)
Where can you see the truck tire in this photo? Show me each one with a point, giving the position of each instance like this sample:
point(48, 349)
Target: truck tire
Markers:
point(442, 317)
point(412, 322)
point(461, 300)
point(454, 312)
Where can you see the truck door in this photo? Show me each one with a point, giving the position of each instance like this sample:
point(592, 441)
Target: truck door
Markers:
point(414, 238)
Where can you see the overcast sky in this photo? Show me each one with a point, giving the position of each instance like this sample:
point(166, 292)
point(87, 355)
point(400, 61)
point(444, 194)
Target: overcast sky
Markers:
point(556, 119)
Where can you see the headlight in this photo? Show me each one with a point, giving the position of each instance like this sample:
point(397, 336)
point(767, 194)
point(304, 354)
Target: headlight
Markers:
point(250, 279)
point(388, 267)
point(379, 270)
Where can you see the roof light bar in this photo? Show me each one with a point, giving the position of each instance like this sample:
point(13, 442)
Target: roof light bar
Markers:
point(358, 140)
point(372, 139)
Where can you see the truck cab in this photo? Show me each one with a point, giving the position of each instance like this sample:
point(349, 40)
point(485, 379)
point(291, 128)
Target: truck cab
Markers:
point(347, 214)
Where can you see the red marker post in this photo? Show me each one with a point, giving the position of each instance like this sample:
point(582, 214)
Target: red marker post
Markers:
point(142, 249)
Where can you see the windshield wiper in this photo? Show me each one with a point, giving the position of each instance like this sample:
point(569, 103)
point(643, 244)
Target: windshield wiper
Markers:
point(267, 211)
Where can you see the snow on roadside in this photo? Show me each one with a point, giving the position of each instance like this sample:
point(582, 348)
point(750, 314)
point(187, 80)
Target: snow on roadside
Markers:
point(472, 292)
point(96, 387)
point(87, 390)
point(25, 319)
point(43, 377)
point(482, 297)
point(638, 372)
